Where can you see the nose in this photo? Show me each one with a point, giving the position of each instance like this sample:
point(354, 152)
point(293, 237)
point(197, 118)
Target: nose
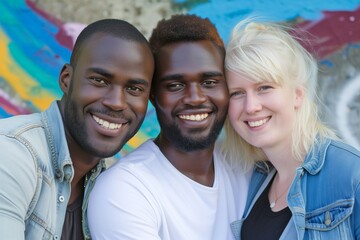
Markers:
point(252, 103)
point(194, 95)
point(115, 99)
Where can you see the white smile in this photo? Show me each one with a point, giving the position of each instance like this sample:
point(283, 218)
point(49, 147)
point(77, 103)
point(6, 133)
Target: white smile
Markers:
point(194, 117)
point(258, 123)
point(106, 124)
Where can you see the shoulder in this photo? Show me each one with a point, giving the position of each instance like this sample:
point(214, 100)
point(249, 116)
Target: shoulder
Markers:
point(130, 182)
point(343, 154)
point(226, 164)
point(18, 124)
point(144, 155)
point(22, 138)
point(331, 154)
point(136, 164)
point(338, 147)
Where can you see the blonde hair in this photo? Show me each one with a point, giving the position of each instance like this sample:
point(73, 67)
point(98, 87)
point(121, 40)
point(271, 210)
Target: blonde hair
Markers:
point(267, 52)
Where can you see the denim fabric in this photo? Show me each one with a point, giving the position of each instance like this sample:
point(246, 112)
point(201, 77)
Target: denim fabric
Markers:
point(324, 197)
point(36, 172)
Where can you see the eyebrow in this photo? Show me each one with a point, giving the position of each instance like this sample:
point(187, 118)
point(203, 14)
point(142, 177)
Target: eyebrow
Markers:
point(181, 76)
point(171, 77)
point(100, 71)
point(212, 74)
point(107, 74)
point(139, 81)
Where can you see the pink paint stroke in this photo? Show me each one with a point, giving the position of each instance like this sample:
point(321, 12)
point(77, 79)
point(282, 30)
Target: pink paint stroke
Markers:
point(68, 32)
point(10, 108)
point(332, 32)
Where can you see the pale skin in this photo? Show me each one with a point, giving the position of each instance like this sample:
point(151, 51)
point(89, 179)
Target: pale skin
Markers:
point(263, 114)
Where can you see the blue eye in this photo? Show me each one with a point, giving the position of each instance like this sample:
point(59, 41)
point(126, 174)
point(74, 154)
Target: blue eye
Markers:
point(265, 87)
point(237, 94)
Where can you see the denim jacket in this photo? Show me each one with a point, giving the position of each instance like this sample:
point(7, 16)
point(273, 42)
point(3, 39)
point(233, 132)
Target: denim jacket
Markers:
point(324, 197)
point(36, 173)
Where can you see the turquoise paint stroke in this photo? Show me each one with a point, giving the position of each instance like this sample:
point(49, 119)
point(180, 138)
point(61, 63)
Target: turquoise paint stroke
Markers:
point(225, 14)
point(35, 43)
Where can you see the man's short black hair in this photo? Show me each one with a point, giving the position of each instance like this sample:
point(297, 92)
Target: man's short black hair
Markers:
point(115, 27)
point(184, 28)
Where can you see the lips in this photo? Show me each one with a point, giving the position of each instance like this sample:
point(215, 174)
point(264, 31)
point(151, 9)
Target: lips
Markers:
point(258, 123)
point(105, 124)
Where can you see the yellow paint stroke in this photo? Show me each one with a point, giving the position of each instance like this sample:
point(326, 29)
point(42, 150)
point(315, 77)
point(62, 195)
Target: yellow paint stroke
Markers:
point(21, 83)
point(137, 140)
point(19, 80)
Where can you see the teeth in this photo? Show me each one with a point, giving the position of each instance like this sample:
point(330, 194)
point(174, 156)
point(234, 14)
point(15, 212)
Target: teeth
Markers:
point(106, 124)
point(258, 123)
point(197, 117)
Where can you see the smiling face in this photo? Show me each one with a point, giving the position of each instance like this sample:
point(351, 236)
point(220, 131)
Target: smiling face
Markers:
point(190, 94)
point(106, 94)
point(262, 113)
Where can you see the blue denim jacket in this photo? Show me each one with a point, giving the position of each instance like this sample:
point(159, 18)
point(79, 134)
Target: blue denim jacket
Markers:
point(35, 173)
point(324, 197)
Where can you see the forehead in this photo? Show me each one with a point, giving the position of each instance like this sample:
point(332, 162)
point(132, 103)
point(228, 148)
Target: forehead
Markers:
point(188, 57)
point(109, 49)
point(238, 80)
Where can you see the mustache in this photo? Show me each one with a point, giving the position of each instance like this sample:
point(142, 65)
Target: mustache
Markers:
point(203, 106)
point(112, 113)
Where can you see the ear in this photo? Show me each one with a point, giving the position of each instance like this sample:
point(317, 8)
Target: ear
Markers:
point(299, 96)
point(65, 78)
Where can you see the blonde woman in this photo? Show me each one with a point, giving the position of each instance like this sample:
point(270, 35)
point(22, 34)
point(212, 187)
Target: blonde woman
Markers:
point(305, 182)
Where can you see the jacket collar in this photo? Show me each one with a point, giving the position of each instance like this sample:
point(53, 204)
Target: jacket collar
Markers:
point(315, 159)
point(55, 135)
point(313, 163)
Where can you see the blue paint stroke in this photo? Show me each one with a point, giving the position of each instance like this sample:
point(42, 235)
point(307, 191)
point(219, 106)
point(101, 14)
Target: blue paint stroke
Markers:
point(226, 13)
point(33, 37)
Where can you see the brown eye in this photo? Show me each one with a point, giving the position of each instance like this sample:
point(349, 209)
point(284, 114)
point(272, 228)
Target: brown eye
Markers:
point(209, 83)
point(175, 86)
point(135, 90)
point(98, 81)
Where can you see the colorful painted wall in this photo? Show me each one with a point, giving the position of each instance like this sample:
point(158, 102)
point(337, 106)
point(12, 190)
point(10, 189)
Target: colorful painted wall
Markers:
point(34, 45)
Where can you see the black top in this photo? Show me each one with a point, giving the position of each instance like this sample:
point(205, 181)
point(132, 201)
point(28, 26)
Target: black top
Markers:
point(262, 222)
point(72, 229)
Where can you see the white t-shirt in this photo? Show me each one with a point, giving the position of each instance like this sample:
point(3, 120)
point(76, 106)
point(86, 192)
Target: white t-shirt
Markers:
point(144, 196)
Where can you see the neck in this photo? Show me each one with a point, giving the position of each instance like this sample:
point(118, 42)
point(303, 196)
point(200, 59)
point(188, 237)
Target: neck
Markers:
point(83, 163)
point(285, 164)
point(283, 161)
point(197, 165)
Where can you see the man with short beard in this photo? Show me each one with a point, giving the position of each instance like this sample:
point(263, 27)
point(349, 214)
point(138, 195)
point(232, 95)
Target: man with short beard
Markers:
point(49, 161)
point(176, 186)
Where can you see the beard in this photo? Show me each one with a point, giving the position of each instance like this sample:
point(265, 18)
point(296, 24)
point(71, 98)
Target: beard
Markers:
point(195, 141)
point(76, 127)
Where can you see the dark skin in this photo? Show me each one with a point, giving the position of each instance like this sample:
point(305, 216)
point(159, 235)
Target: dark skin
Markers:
point(197, 165)
point(104, 102)
point(191, 99)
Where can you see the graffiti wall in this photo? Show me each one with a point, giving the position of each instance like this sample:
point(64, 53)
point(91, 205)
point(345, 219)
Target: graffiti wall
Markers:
point(34, 44)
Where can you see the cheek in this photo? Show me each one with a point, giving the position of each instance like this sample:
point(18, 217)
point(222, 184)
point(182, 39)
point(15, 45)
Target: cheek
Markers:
point(86, 94)
point(235, 110)
point(139, 105)
point(167, 101)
